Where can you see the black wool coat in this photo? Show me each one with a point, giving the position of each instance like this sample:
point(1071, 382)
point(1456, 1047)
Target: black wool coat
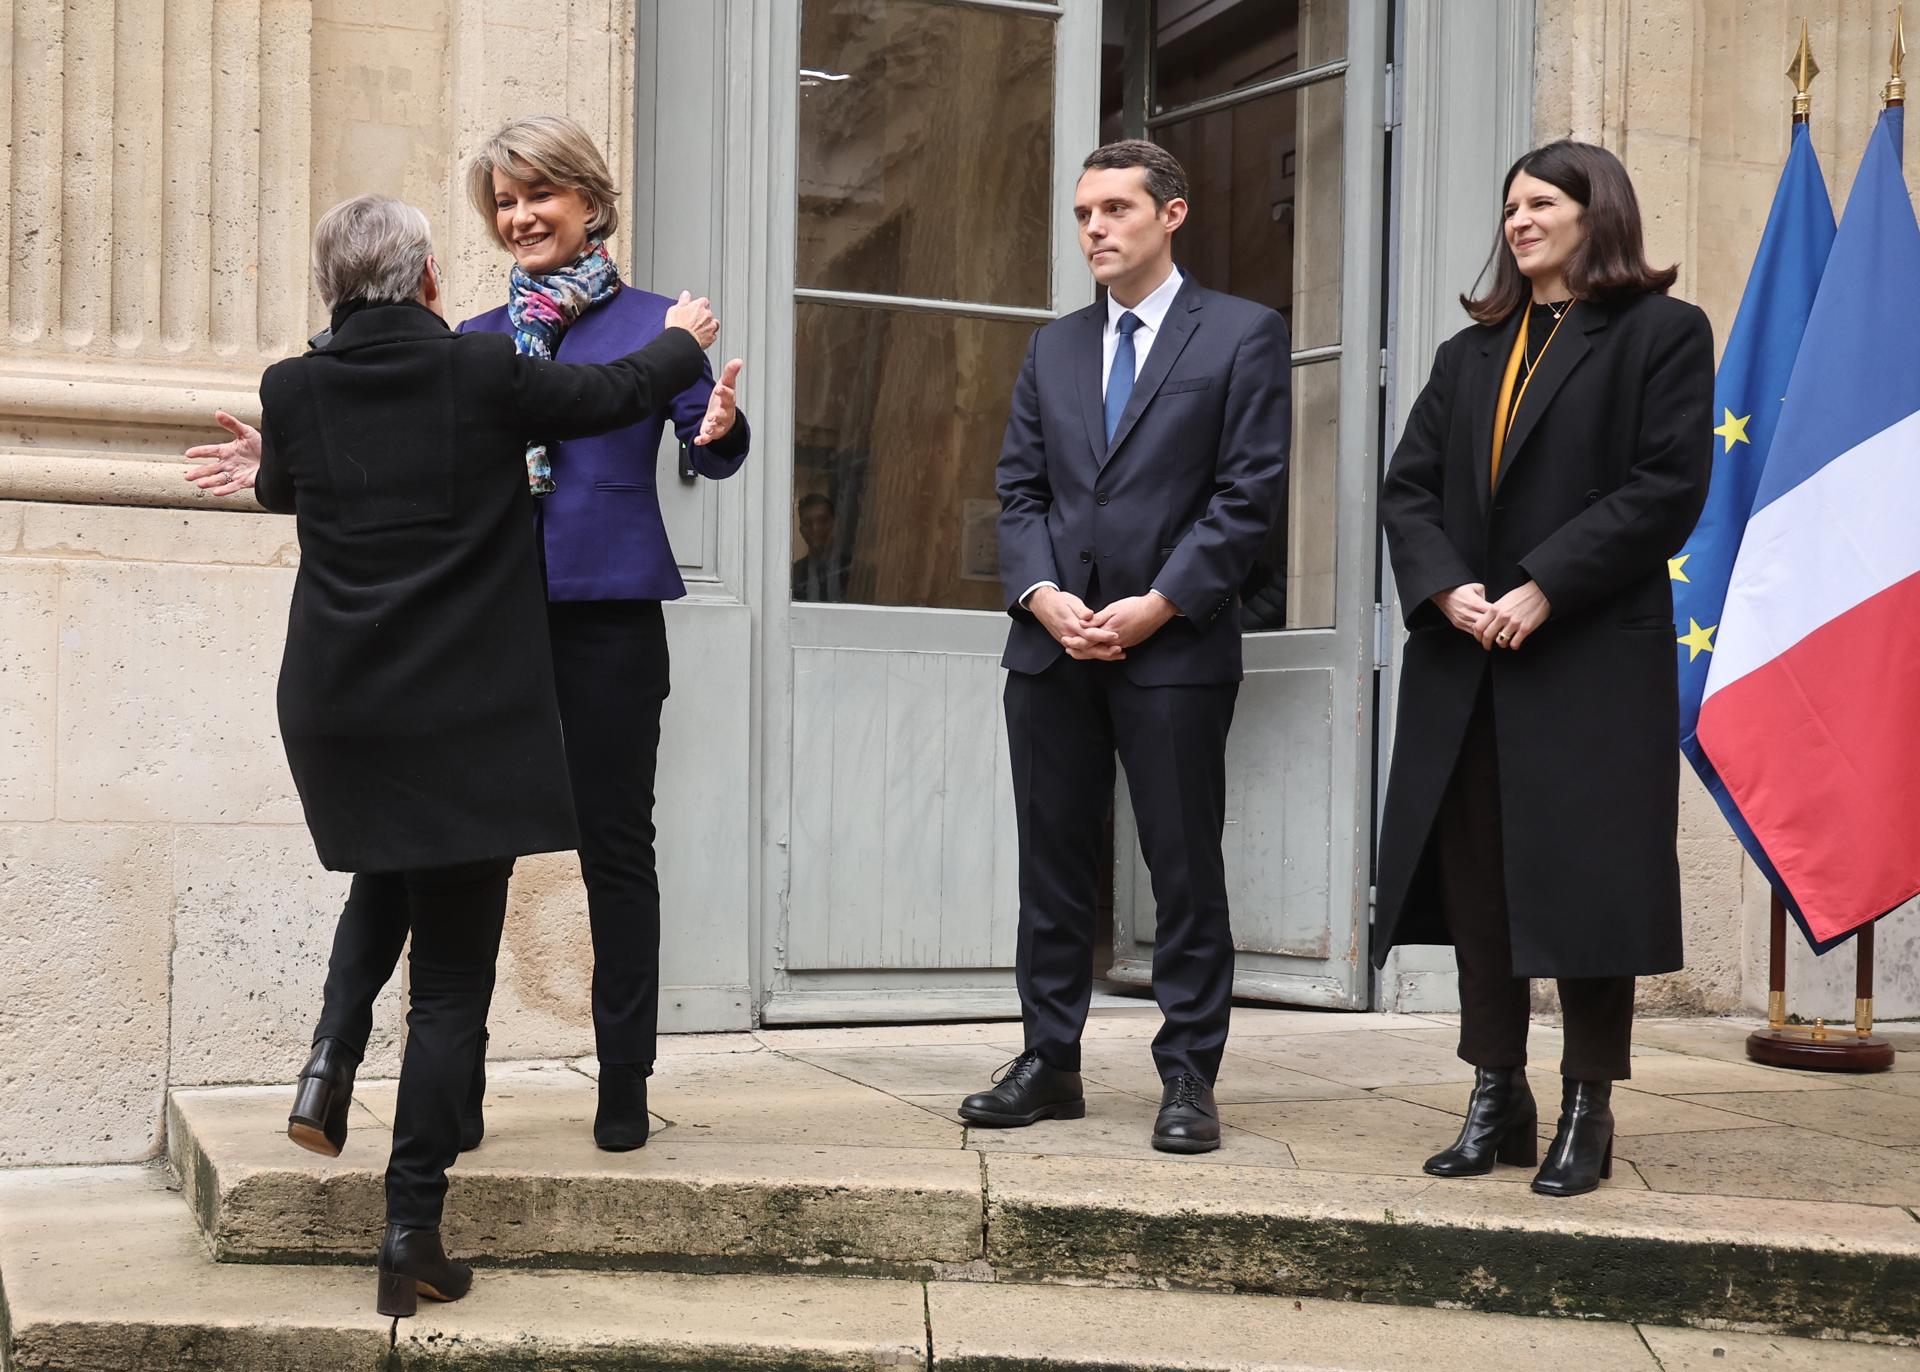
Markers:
point(416, 692)
point(1602, 478)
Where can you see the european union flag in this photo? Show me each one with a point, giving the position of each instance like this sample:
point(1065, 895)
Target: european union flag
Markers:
point(1747, 395)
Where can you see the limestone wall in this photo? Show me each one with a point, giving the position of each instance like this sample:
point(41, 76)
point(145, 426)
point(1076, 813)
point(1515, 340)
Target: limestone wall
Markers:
point(1692, 95)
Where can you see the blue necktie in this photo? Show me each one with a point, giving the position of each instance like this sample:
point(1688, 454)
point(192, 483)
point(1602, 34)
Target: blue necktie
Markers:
point(1120, 377)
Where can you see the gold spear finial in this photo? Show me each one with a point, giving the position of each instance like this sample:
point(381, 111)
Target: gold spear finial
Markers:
point(1896, 89)
point(1801, 73)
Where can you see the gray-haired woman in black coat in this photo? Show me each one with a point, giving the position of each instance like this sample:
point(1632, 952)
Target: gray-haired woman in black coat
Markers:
point(416, 696)
point(1555, 461)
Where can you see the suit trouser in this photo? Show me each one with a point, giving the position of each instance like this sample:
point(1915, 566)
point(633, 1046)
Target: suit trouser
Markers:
point(456, 915)
point(1064, 726)
point(610, 668)
point(1467, 849)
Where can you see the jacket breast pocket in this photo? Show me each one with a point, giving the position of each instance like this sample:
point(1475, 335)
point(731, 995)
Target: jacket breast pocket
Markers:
point(1182, 385)
point(621, 486)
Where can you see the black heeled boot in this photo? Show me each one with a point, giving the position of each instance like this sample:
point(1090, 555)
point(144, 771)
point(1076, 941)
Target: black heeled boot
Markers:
point(1581, 1154)
point(318, 1122)
point(620, 1124)
point(1501, 1124)
point(412, 1265)
point(473, 1123)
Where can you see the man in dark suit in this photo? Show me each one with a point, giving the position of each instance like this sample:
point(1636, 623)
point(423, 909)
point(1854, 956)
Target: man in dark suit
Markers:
point(1142, 469)
point(822, 573)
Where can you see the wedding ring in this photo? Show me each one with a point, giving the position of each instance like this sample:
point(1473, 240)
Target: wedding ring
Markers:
point(1499, 638)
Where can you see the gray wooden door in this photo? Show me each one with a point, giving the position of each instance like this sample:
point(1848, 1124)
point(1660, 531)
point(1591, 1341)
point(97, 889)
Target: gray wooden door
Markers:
point(1275, 107)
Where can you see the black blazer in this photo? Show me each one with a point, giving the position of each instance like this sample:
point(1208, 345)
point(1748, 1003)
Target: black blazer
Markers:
point(1183, 499)
point(416, 692)
point(1601, 480)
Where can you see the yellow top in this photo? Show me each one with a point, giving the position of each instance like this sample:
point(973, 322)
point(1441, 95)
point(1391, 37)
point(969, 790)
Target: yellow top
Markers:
point(1509, 405)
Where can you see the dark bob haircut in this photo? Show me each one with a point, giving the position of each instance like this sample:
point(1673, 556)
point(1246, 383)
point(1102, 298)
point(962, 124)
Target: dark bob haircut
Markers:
point(1610, 263)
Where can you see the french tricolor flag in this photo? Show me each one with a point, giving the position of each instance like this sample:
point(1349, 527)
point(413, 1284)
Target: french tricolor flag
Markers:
point(1811, 710)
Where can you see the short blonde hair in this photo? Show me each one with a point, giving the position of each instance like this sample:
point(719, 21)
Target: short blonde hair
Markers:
point(549, 147)
point(371, 247)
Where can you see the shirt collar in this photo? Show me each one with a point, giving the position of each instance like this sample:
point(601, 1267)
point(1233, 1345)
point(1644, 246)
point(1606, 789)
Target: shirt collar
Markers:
point(1152, 310)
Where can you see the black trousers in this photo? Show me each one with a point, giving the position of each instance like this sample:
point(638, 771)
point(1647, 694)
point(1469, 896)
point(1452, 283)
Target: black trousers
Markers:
point(1064, 727)
point(456, 914)
point(610, 665)
point(610, 668)
point(1467, 851)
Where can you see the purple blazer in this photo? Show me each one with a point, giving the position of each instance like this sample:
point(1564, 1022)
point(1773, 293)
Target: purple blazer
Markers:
point(601, 526)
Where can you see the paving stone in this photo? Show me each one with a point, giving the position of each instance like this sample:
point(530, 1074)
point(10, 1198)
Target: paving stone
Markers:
point(102, 1270)
point(1129, 1066)
point(978, 1328)
point(1783, 1163)
point(957, 1070)
point(539, 1191)
point(1120, 1125)
point(1885, 1117)
point(1612, 1254)
point(1634, 1112)
point(1675, 1075)
point(1723, 1040)
point(1700, 1350)
point(1377, 1135)
point(1362, 1058)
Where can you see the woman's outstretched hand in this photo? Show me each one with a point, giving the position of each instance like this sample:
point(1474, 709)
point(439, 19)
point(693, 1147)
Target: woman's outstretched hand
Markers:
point(1512, 617)
point(696, 317)
point(226, 468)
point(722, 406)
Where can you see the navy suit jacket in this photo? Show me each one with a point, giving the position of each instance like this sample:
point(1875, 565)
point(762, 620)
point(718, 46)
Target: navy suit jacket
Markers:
point(605, 539)
point(1181, 501)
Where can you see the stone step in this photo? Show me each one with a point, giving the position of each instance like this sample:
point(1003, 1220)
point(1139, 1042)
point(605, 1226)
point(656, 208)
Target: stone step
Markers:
point(102, 1269)
point(538, 1194)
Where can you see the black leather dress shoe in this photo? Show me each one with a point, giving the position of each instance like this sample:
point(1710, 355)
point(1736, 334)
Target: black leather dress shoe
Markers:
point(473, 1120)
point(621, 1123)
point(1189, 1121)
point(413, 1264)
point(1581, 1154)
point(318, 1122)
point(1026, 1091)
point(1501, 1123)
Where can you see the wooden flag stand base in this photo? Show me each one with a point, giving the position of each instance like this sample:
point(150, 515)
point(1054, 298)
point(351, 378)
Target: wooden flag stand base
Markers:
point(1818, 1047)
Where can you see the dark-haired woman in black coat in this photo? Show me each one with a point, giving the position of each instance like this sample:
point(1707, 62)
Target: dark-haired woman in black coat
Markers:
point(1555, 460)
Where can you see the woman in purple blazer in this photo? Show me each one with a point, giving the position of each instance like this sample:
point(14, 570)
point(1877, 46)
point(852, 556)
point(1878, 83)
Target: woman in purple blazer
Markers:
point(547, 198)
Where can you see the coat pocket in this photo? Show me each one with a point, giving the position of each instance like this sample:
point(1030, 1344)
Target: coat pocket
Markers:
point(1185, 383)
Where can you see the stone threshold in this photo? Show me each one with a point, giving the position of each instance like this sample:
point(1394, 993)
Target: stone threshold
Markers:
point(538, 1195)
point(103, 1268)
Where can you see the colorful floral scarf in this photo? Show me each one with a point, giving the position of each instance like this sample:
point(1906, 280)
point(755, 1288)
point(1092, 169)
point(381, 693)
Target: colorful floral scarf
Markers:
point(541, 308)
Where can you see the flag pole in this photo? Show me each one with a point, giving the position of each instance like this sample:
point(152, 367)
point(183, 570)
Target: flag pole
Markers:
point(1819, 1048)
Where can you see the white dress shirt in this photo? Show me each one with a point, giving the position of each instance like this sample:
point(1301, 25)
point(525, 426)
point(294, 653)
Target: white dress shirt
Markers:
point(1152, 313)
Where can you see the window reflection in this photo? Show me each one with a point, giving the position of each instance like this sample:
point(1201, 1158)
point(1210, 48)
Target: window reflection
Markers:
point(898, 417)
point(1204, 48)
point(925, 151)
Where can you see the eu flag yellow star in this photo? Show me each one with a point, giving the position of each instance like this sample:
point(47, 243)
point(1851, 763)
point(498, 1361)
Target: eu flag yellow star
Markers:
point(1676, 568)
point(1697, 639)
point(1733, 430)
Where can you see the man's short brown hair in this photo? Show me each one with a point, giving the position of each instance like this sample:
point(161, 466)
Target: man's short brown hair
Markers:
point(1166, 178)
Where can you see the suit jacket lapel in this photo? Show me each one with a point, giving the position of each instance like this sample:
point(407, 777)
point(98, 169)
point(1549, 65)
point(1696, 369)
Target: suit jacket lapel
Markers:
point(1183, 317)
point(1494, 351)
point(1569, 349)
point(1088, 362)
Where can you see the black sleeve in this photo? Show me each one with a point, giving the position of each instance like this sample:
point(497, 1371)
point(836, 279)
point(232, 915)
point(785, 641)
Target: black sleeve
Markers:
point(272, 483)
point(1623, 537)
point(1412, 499)
point(570, 400)
point(1020, 480)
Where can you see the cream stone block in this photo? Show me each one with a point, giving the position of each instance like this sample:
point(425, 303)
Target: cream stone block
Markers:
point(29, 627)
point(86, 915)
point(542, 995)
point(215, 537)
point(254, 922)
point(166, 694)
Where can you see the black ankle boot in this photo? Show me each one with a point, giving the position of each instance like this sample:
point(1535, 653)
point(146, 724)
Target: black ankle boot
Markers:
point(413, 1264)
point(620, 1125)
point(1581, 1154)
point(322, 1098)
point(1501, 1120)
point(473, 1123)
